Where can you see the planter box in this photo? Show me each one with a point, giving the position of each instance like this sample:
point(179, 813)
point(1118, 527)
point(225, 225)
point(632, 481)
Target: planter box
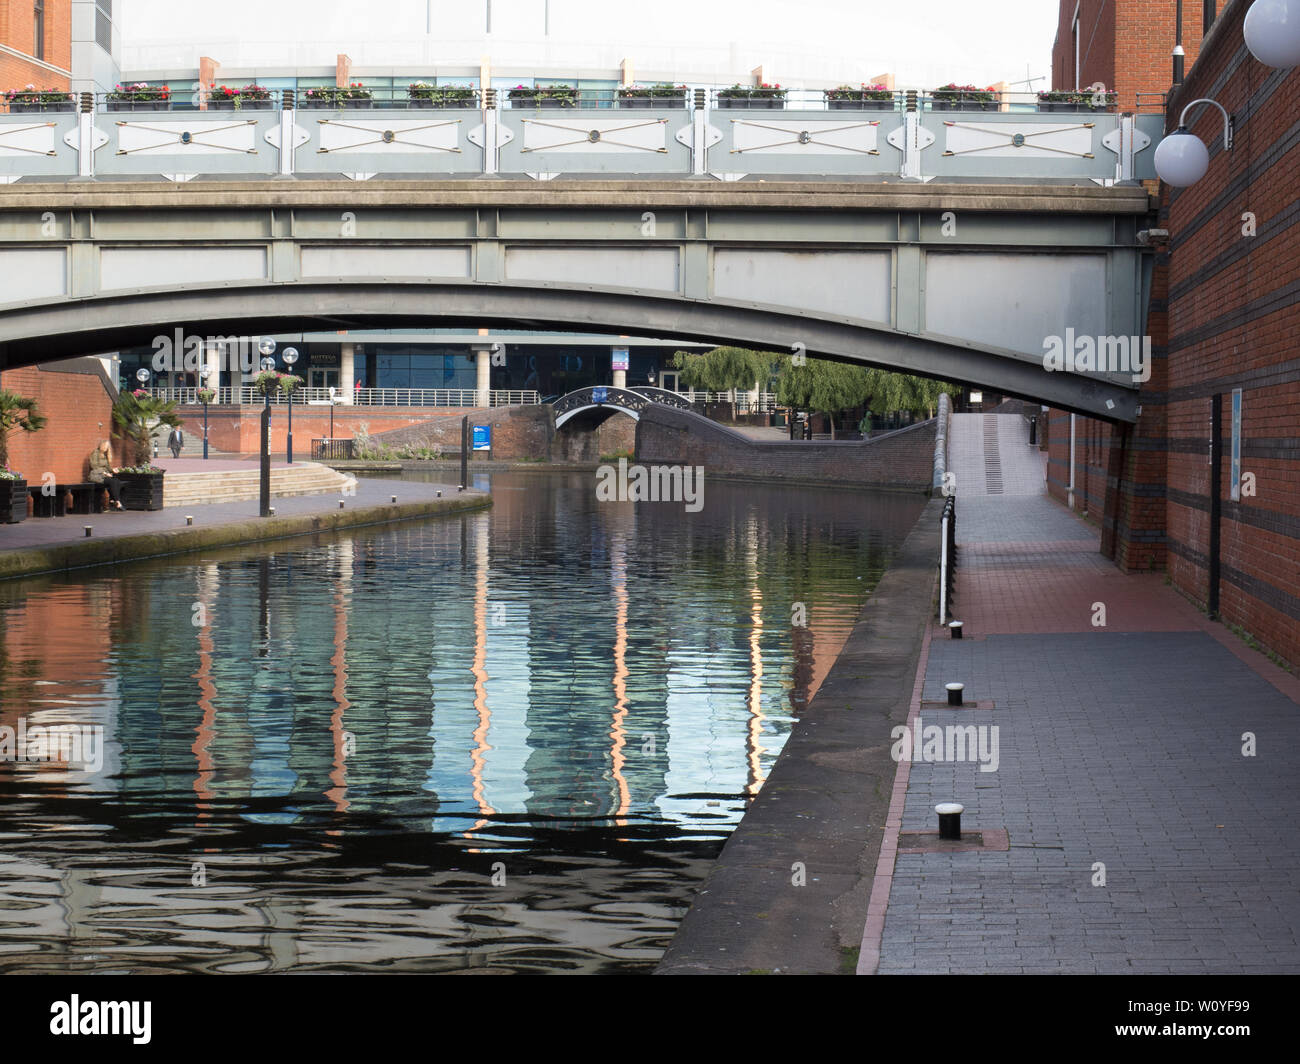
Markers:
point(137, 105)
point(543, 104)
point(860, 105)
point(64, 106)
point(469, 104)
point(142, 491)
point(13, 501)
point(646, 102)
point(751, 103)
point(247, 105)
point(963, 105)
point(1061, 106)
point(333, 105)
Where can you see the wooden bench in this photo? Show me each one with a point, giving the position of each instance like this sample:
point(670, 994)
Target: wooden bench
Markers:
point(87, 498)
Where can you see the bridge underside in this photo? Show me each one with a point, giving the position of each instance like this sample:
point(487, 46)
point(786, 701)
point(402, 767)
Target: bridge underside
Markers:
point(72, 327)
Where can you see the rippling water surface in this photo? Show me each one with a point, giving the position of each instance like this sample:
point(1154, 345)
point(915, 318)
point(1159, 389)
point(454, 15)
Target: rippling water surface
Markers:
point(509, 741)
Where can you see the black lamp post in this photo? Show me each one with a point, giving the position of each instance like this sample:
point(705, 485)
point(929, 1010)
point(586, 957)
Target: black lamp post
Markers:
point(290, 356)
point(267, 347)
point(204, 374)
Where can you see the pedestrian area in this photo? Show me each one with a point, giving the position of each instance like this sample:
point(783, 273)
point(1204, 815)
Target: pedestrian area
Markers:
point(1137, 814)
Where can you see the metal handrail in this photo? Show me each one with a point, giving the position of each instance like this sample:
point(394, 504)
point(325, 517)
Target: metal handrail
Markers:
point(247, 395)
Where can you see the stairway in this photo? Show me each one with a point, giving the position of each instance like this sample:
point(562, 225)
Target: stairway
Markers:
point(242, 485)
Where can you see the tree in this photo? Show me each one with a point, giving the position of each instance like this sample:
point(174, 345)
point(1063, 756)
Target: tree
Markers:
point(18, 413)
point(825, 387)
point(903, 392)
point(134, 416)
point(724, 368)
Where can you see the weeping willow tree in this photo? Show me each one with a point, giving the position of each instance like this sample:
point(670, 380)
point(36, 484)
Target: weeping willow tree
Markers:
point(832, 387)
point(725, 368)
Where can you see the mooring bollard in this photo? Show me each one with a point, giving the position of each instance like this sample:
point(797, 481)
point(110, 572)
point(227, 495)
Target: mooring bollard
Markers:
point(340, 504)
point(88, 530)
point(189, 520)
point(440, 495)
point(394, 498)
point(270, 512)
point(949, 819)
point(954, 629)
point(954, 693)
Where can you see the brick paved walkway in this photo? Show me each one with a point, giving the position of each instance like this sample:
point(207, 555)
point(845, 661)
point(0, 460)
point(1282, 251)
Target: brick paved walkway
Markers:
point(1119, 744)
point(52, 531)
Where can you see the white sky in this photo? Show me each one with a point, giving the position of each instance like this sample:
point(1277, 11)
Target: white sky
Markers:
point(925, 42)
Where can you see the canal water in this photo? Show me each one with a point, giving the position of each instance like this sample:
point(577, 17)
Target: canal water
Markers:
point(508, 741)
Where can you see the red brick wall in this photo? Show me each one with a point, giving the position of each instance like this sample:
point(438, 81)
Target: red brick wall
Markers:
point(517, 431)
point(1127, 45)
point(80, 410)
point(239, 429)
point(1224, 315)
point(17, 32)
point(902, 460)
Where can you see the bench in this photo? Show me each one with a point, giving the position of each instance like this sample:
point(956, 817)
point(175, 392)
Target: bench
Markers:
point(87, 498)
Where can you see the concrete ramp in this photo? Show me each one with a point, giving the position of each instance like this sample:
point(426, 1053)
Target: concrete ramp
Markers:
point(990, 454)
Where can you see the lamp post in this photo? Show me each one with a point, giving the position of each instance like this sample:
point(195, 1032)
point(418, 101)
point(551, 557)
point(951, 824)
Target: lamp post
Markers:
point(267, 348)
point(332, 391)
point(204, 374)
point(143, 375)
point(290, 356)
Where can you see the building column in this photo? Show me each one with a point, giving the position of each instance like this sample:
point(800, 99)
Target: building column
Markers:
point(483, 365)
point(620, 378)
point(347, 372)
point(212, 360)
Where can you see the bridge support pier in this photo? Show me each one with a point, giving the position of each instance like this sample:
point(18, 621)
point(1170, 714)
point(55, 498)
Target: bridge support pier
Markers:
point(483, 381)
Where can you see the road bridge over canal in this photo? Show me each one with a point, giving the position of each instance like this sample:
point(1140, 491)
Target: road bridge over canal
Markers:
point(950, 245)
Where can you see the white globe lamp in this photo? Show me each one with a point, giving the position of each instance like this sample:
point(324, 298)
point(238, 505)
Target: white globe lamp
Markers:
point(1272, 32)
point(1182, 159)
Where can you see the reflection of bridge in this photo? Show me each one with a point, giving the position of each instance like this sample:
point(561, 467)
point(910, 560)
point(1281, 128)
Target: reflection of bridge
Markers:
point(630, 401)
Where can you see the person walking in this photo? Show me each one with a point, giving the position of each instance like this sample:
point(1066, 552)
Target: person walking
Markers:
point(102, 472)
point(175, 441)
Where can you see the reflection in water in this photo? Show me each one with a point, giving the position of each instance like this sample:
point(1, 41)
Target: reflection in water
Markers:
point(512, 740)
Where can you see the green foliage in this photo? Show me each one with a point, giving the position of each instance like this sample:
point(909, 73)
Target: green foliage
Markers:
point(725, 368)
point(830, 387)
point(18, 413)
point(135, 415)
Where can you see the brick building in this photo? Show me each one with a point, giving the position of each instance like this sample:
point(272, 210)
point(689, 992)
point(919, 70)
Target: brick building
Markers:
point(35, 44)
point(1126, 45)
point(1223, 316)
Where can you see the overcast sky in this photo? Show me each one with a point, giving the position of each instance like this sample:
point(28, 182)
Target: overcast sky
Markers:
point(925, 42)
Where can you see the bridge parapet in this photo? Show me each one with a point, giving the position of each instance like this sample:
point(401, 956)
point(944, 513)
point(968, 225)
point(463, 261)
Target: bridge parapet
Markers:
point(905, 137)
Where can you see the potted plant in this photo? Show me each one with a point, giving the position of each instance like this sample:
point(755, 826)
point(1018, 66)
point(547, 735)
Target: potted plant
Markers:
point(953, 97)
point(863, 98)
point(335, 97)
point(1074, 100)
point(31, 100)
point(423, 94)
point(18, 413)
point(135, 414)
point(767, 97)
point(139, 96)
point(206, 395)
point(546, 96)
point(250, 97)
point(661, 95)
